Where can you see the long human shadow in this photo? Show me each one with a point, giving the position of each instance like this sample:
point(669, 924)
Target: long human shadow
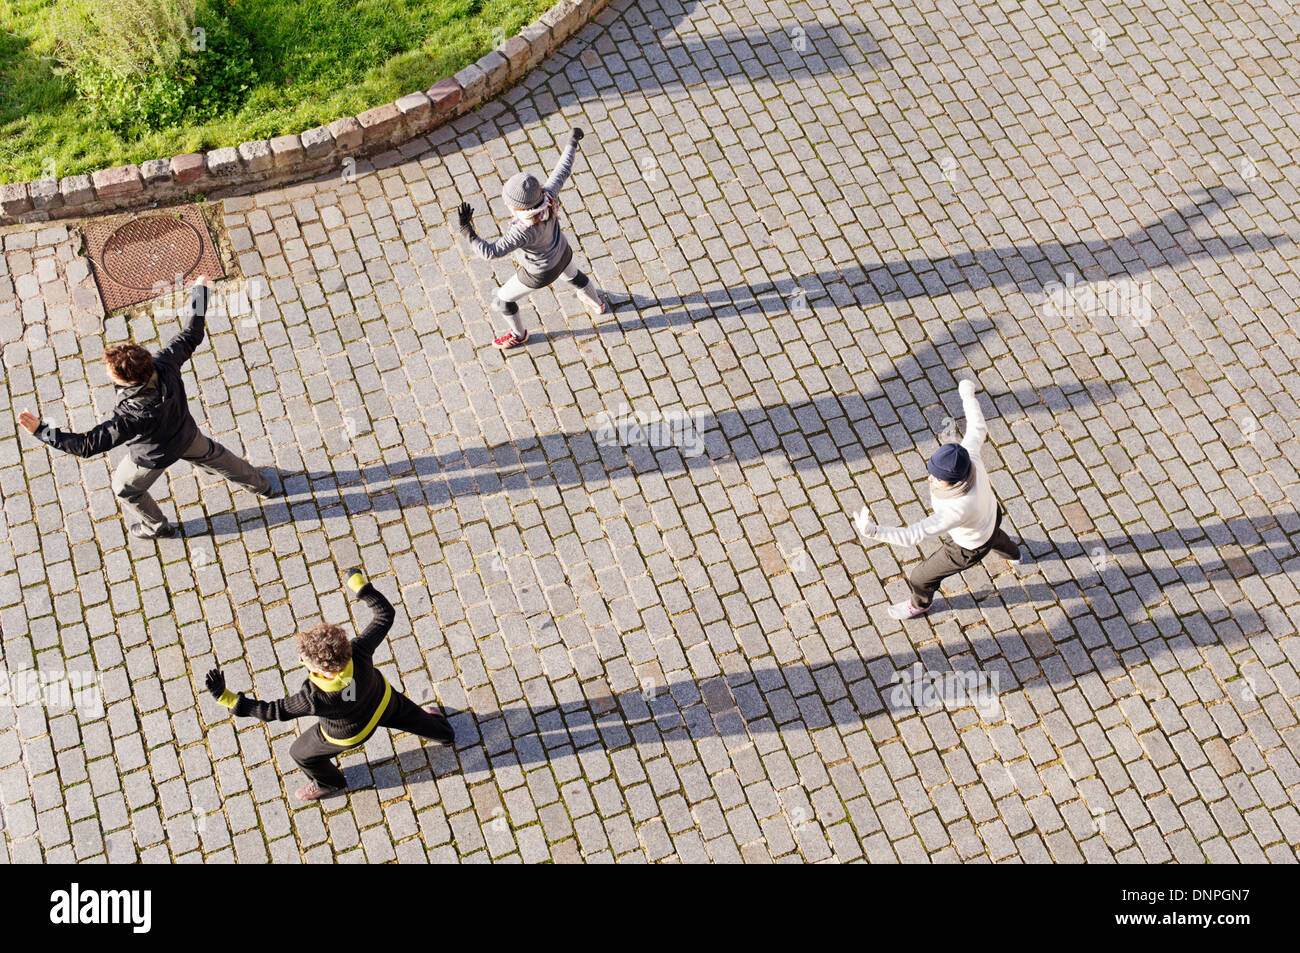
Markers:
point(1029, 269)
point(810, 48)
point(807, 435)
point(768, 699)
point(1099, 630)
point(1265, 541)
point(922, 678)
point(1168, 241)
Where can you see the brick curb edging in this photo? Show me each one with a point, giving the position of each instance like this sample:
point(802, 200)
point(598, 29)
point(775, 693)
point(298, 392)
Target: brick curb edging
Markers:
point(290, 158)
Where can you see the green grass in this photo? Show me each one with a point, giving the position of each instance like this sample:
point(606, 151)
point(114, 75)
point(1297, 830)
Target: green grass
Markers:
point(316, 60)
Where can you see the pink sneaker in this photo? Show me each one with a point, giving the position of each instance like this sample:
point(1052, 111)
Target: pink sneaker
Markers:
point(311, 791)
point(905, 610)
point(604, 304)
point(509, 340)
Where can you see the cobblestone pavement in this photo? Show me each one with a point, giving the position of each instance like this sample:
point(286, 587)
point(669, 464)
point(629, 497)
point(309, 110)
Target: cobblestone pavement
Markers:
point(825, 212)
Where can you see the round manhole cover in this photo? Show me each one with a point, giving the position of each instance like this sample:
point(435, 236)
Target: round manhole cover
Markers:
point(151, 250)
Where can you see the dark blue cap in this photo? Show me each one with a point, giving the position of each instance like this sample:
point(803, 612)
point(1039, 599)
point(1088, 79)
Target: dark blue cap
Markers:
point(950, 463)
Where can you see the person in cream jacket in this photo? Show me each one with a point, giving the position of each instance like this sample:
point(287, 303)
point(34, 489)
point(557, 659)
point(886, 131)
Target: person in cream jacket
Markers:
point(965, 509)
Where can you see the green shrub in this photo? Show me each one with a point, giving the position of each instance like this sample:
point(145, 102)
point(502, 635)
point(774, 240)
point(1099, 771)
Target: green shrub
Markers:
point(226, 74)
point(147, 65)
point(148, 101)
point(130, 37)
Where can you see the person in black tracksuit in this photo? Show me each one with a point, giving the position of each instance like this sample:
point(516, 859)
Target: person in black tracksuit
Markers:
point(345, 690)
point(153, 419)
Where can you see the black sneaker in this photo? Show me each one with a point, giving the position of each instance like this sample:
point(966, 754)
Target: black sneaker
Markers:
point(137, 530)
point(273, 492)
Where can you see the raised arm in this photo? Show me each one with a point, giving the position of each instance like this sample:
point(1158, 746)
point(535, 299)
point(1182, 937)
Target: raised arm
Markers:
point(285, 709)
point(181, 347)
point(564, 167)
point(976, 428)
point(360, 587)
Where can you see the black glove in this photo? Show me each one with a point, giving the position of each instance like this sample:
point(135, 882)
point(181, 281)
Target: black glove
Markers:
point(355, 580)
point(577, 134)
point(199, 296)
point(217, 687)
point(464, 214)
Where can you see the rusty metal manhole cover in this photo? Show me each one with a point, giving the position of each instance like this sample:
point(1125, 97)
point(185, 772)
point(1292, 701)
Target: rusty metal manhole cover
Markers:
point(138, 257)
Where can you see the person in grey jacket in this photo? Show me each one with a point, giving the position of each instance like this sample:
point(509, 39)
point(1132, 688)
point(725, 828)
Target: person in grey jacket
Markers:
point(541, 249)
point(153, 419)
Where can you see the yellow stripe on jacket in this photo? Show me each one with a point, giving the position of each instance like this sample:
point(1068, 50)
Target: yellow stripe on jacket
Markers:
point(370, 725)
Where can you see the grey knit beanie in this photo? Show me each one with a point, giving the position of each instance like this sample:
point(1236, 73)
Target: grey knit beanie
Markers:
point(522, 191)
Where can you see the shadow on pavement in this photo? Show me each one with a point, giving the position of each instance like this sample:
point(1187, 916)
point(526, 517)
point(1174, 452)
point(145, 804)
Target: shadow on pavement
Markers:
point(1029, 269)
point(847, 692)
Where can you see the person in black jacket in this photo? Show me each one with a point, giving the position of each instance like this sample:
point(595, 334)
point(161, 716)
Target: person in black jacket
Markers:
point(153, 419)
point(345, 690)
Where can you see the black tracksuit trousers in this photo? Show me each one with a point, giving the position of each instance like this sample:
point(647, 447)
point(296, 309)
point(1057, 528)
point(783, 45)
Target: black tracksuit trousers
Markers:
point(952, 559)
point(315, 755)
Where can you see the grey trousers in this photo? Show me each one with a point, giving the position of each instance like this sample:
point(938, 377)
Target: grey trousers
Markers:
point(131, 482)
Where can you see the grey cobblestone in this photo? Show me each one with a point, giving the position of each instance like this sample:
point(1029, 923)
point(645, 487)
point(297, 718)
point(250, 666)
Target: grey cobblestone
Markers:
point(671, 658)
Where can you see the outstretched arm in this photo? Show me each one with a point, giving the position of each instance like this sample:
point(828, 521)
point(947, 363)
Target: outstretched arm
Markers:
point(976, 428)
point(564, 167)
point(936, 524)
point(514, 237)
point(284, 709)
point(181, 348)
point(100, 439)
point(360, 587)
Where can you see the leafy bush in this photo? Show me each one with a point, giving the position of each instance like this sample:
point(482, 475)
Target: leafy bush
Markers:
point(129, 36)
point(128, 58)
point(226, 72)
point(145, 65)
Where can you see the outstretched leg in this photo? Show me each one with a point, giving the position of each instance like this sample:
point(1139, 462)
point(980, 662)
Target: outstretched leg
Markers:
point(405, 715)
point(592, 296)
point(506, 307)
point(1004, 546)
point(206, 454)
point(949, 560)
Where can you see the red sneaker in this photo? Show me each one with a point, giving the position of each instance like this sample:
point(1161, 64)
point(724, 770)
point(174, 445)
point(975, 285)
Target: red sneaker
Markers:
point(311, 791)
point(509, 340)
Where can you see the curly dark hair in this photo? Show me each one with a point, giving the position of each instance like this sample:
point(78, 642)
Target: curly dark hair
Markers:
point(130, 362)
point(326, 647)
